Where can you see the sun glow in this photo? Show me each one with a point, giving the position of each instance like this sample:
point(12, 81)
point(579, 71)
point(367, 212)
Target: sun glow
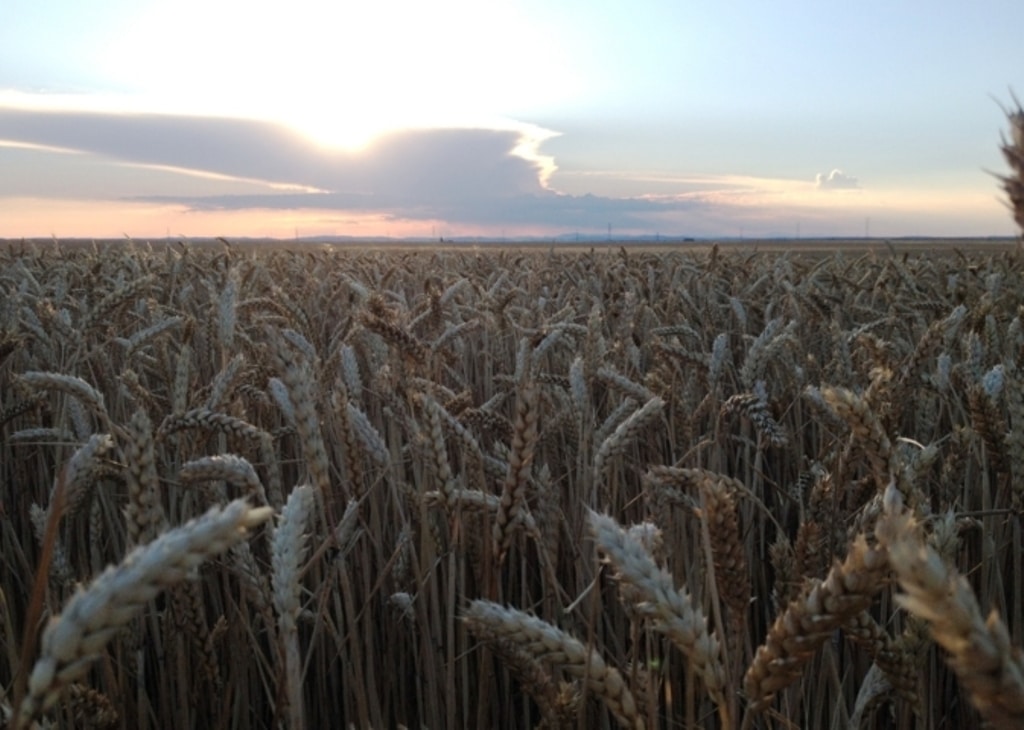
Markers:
point(343, 73)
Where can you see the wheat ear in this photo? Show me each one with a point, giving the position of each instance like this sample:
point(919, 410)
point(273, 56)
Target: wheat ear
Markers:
point(81, 469)
point(144, 514)
point(808, 621)
point(980, 652)
point(209, 420)
point(438, 451)
point(549, 644)
point(91, 709)
point(234, 470)
point(894, 658)
point(867, 431)
point(71, 385)
point(728, 556)
point(520, 462)
point(672, 610)
point(298, 379)
point(616, 443)
point(94, 615)
point(1013, 152)
point(558, 702)
point(288, 549)
point(353, 453)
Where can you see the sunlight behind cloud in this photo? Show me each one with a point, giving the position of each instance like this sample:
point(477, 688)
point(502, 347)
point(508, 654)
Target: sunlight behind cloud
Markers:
point(343, 73)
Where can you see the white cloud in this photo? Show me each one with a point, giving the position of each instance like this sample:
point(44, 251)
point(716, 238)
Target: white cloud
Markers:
point(836, 180)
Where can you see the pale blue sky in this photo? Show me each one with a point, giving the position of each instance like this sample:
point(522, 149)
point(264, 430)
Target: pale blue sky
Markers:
point(232, 117)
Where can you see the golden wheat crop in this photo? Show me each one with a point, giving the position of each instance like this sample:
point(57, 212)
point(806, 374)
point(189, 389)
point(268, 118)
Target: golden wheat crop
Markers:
point(377, 488)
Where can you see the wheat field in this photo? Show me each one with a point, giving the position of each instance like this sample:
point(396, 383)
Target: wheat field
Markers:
point(708, 488)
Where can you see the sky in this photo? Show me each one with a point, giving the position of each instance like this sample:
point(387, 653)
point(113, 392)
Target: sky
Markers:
point(486, 118)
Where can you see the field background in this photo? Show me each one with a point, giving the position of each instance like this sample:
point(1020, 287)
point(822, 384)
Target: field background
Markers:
point(460, 414)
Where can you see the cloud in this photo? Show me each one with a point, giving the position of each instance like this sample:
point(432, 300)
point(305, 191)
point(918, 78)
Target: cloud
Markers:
point(433, 162)
point(836, 180)
point(464, 176)
point(215, 172)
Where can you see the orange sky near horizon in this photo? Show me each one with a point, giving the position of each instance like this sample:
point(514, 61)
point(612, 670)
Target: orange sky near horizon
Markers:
point(64, 219)
point(798, 212)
